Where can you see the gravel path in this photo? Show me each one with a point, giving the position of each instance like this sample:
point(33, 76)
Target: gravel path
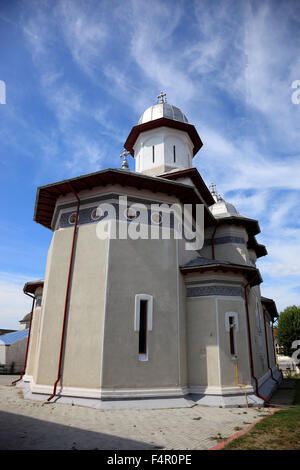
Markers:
point(27, 424)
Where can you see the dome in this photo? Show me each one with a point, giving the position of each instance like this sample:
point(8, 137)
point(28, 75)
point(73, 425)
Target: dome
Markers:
point(222, 208)
point(161, 110)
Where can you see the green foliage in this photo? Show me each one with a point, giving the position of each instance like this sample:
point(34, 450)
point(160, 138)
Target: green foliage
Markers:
point(288, 329)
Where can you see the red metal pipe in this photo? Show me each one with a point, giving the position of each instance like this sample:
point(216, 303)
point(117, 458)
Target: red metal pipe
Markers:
point(28, 340)
point(274, 350)
point(267, 347)
point(66, 299)
point(250, 344)
point(213, 241)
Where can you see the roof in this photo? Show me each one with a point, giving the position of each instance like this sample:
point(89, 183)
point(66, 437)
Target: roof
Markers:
point(3, 331)
point(270, 306)
point(11, 338)
point(31, 286)
point(196, 178)
point(163, 122)
point(222, 208)
point(205, 264)
point(259, 249)
point(47, 195)
point(162, 110)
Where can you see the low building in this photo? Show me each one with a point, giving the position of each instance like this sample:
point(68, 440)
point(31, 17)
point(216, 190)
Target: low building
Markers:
point(12, 351)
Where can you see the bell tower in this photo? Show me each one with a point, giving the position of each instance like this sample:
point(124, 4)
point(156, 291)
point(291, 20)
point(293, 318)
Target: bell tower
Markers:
point(163, 140)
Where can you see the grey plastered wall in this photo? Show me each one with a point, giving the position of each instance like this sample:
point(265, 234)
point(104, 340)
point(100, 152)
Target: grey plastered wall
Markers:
point(141, 267)
point(82, 357)
point(227, 363)
point(202, 351)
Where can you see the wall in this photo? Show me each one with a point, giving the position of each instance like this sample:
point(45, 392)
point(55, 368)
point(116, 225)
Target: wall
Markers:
point(142, 267)
point(163, 139)
point(82, 358)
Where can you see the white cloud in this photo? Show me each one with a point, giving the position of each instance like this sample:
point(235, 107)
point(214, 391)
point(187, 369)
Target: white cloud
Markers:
point(14, 304)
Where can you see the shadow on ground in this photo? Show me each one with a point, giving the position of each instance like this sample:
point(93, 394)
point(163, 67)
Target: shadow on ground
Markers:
point(18, 432)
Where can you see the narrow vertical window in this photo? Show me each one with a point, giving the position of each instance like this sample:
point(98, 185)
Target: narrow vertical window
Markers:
point(153, 154)
point(143, 323)
point(143, 327)
point(174, 153)
point(231, 336)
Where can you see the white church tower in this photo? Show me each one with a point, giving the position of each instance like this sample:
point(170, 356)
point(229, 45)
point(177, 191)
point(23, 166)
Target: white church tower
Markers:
point(163, 140)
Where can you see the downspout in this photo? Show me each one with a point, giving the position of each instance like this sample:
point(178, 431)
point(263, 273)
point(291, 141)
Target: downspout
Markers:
point(28, 340)
point(268, 360)
point(275, 359)
point(66, 298)
point(213, 241)
point(250, 344)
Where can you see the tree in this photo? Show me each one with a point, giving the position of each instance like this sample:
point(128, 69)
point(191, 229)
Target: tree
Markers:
point(288, 329)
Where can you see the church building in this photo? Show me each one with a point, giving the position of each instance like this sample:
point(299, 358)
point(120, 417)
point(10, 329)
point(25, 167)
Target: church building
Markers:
point(119, 320)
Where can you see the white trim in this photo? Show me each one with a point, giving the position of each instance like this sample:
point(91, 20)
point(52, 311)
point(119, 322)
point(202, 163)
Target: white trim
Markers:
point(144, 392)
point(235, 315)
point(149, 299)
point(236, 298)
point(101, 393)
point(215, 390)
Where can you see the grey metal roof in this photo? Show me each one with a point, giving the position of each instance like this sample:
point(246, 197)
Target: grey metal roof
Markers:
point(160, 110)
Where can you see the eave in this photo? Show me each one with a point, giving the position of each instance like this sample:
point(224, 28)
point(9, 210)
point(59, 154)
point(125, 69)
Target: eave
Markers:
point(270, 306)
point(250, 273)
point(260, 250)
point(31, 286)
point(47, 195)
point(196, 178)
point(163, 122)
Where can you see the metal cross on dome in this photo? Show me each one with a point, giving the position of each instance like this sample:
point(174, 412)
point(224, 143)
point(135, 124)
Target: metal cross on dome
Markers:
point(124, 162)
point(213, 188)
point(162, 98)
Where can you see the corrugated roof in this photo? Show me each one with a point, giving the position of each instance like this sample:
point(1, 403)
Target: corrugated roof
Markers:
point(11, 338)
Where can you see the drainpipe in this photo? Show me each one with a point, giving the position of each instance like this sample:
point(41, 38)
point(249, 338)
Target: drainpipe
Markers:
point(213, 241)
point(66, 298)
point(28, 340)
point(250, 344)
point(268, 348)
point(275, 359)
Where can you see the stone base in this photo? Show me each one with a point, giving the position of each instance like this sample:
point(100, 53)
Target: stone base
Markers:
point(225, 397)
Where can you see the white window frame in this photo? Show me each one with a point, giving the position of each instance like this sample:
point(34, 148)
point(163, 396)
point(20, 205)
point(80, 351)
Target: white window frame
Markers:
point(149, 299)
point(235, 316)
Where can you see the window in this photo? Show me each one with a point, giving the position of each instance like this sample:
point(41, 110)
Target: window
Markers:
point(231, 335)
point(72, 218)
point(232, 327)
point(174, 153)
point(143, 323)
point(153, 154)
point(143, 327)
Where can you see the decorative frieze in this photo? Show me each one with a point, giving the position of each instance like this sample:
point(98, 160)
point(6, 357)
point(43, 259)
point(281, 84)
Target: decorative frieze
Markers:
point(200, 291)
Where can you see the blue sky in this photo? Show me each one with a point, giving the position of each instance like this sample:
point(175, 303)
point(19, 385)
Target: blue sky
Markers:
point(79, 73)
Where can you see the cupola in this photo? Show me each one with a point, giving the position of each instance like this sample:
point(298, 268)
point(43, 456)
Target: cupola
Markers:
point(163, 140)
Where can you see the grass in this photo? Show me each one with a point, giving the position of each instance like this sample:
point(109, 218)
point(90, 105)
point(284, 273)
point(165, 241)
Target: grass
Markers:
point(280, 431)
